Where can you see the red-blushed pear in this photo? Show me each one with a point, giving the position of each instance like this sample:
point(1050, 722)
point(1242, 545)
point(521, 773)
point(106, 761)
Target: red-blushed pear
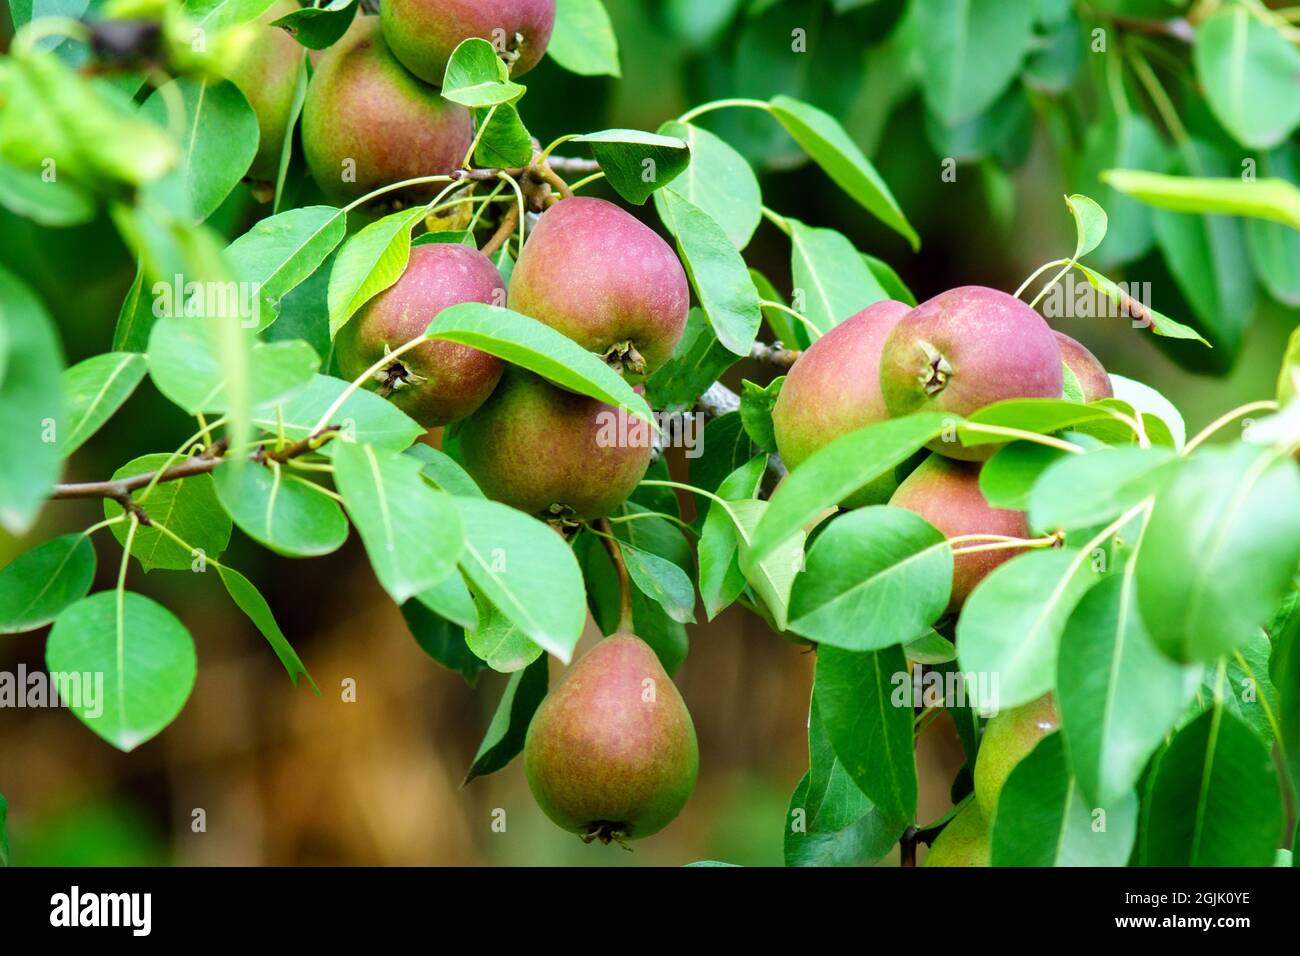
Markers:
point(834, 388)
point(611, 752)
point(266, 72)
point(1089, 372)
point(947, 494)
point(1008, 738)
point(437, 382)
point(965, 841)
point(423, 33)
point(551, 452)
point(367, 122)
point(964, 349)
point(604, 279)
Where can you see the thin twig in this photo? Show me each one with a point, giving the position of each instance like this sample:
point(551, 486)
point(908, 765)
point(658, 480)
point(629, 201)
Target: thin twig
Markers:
point(624, 582)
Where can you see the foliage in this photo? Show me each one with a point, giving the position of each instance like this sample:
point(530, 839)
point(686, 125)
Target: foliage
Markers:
point(1156, 599)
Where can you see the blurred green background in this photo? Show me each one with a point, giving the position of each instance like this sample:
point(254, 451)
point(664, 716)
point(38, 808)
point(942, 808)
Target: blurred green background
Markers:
point(282, 777)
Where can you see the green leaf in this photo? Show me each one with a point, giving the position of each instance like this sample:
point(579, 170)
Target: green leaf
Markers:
point(135, 318)
point(1117, 694)
point(530, 344)
point(441, 639)
point(1083, 491)
point(49, 202)
point(92, 391)
point(830, 822)
point(444, 472)
point(1248, 71)
point(527, 571)
point(583, 39)
point(365, 417)
point(29, 463)
point(499, 643)
point(637, 163)
point(876, 577)
point(826, 141)
point(718, 180)
point(662, 581)
point(718, 273)
point(1248, 691)
point(726, 446)
point(970, 52)
point(218, 133)
point(37, 585)
point(889, 280)
point(186, 365)
point(1157, 322)
point(506, 143)
point(1275, 247)
point(1288, 379)
point(505, 734)
point(871, 732)
point(698, 361)
point(144, 654)
point(1150, 403)
point(840, 468)
point(476, 76)
point(280, 510)
point(756, 403)
point(1220, 551)
point(1008, 478)
point(772, 576)
point(1274, 200)
point(281, 251)
point(829, 275)
point(412, 533)
point(721, 580)
point(1089, 224)
point(370, 262)
point(319, 27)
point(187, 507)
point(1011, 624)
point(1213, 799)
point(1039, 415)
point(221, 14)
point(1043, 818)
point(249, 600)
point(450, 598)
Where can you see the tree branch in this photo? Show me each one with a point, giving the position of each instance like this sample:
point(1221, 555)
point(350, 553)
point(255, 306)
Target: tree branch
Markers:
point(120, 489)
point(774, 354)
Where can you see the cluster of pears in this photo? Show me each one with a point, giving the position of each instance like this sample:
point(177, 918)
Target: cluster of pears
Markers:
point(373, 113)
point(956, 353)
point(611, 752)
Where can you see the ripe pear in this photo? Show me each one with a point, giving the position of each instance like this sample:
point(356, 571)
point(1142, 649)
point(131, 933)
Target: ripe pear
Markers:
point(1008, 738)
point(947, 494)
point(437, 382)
point(834, 388)
point(964, 349)
point(423, 33)
point(604, 279)
point(266, 72)
point(1092, 376)
point(551, 452)
point(611, 752)
point(965, 841)
point(367, 122)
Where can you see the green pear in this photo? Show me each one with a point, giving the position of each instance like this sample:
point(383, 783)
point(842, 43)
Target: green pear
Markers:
point(965, 841)
point(611, 752)
point(1008, 738)
point(604, 279)
point(834, 388)
point(424, 33)
point(436, 382)
point(947, 494)
point(368, 123)
point(551, 452)
point(964, 349)
point(1090, 373)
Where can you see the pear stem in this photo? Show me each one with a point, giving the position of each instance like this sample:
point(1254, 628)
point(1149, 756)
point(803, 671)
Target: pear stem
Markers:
point(624, 582)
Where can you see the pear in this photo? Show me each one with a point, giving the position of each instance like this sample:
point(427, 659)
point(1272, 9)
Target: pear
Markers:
point(611, 753)
point(1008, 738)
point(965, 841)
point(1089, 371)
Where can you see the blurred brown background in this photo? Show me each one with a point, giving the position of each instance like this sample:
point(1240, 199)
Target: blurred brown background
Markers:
point(287, 778)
